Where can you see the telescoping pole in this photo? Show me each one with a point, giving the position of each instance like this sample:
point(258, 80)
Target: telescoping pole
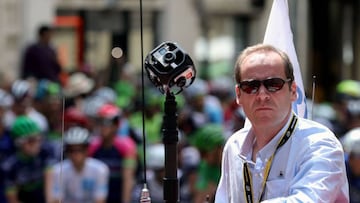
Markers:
point(170, 140)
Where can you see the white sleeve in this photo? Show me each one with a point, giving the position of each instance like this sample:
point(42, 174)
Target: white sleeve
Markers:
point(56, 188)
point(102, 181)
point(221, 195)
point(321, 175)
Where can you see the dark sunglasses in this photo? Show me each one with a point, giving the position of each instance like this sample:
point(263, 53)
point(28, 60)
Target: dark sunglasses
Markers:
point(106, 122)
point(271, 84)
point(33, 139)
point(75, 150)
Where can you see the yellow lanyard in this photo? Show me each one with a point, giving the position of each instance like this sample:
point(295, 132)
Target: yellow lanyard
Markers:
point(246, 172)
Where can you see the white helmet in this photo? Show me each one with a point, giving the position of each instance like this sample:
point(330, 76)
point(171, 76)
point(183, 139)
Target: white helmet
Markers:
point(6, 100)
point(20, 89)
point(351, 141)
point(76, 135)
point(155, 155)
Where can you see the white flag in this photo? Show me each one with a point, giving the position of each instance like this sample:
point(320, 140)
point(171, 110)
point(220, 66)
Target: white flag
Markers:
point(278, 33)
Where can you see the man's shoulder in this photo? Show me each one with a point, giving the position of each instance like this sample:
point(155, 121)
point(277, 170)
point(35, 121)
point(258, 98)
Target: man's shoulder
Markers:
point(313, 132)
point(10, 163)
point(239, 134)
point(237, 138)
point(63, 165)
point(97, 165)
point(313, 126)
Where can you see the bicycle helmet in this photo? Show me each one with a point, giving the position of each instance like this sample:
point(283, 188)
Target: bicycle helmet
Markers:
point(6, 100)
point(74, 116)
point(208, 137)
point(106, 93)
point(348, 89)
point(91, 106)
point(156, 156)
point(24, 127)
point(109, 112)
point(76, 136)
point(47, 88)
point(20, 89)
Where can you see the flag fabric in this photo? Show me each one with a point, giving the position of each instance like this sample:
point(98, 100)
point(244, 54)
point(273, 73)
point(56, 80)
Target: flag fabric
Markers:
point(278, 33)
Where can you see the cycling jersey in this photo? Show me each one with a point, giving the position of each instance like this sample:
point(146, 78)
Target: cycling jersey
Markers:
point(121, 154)
point(25, 175)
point(86, 186)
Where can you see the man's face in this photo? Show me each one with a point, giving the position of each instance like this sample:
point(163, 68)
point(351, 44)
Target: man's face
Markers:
point(107, 128)
point(31, 145)
point(265, 108)
point(77, 154)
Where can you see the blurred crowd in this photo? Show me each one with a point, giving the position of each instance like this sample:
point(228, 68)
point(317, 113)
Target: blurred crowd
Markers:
point(37, 113)
point(104, 126)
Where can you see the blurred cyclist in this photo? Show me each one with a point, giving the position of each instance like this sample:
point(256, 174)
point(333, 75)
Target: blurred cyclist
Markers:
point(79, 178)
point(118, 152)
point(26, 172)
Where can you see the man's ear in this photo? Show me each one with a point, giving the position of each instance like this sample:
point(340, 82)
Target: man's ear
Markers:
point(293, 91)
point(238, 94)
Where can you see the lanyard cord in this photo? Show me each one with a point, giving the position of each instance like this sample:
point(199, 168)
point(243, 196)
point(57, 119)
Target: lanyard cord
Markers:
point(246, 172)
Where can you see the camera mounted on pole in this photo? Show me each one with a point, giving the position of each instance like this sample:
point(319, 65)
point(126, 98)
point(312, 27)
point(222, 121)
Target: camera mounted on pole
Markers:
point(169, 68)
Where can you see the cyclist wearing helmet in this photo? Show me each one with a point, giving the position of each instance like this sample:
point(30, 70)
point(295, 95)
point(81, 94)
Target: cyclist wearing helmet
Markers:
point(79, 178)
point(26, 171)
point(118, 152)
point(7, 147)
point(209, 140)
point(21, 91)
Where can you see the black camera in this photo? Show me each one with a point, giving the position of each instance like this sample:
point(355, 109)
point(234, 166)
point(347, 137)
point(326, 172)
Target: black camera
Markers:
point(169, 68)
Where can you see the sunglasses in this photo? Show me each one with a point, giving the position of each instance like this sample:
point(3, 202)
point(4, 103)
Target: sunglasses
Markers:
point(105, 122)
point(271, 84)
point(32, 139)
point(76, 150)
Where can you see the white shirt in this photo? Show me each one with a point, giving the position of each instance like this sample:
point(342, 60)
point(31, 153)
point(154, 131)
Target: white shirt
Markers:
point(85, 187)
point(309, 167)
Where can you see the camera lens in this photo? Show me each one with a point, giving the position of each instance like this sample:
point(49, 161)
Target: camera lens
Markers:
point(181, 82)
point(169, 57)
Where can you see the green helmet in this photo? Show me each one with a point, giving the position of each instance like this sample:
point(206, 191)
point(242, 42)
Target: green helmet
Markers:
point(208, 137)
point(23, 127)
point(349, 88)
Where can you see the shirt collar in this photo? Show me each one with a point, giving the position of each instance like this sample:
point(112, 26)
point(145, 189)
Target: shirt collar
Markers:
point(267, 150)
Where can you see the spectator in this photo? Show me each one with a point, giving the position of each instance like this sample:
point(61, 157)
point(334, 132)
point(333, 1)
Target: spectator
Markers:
point(78, 178)
point(40, 59)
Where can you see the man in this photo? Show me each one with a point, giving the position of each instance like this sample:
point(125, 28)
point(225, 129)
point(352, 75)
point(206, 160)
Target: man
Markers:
point(155, 170)
point(280, 157)
point(23, 104)
point(209, 140)
point(351, 143)
point(26, 171)
point(79, 178)
point(40, 59)
point(7, 147)
point(117, 152)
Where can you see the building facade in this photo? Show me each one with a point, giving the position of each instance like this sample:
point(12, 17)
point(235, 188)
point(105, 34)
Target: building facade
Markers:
point(211, 31)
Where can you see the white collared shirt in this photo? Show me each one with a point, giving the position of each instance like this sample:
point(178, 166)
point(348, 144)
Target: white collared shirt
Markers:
point(309, 167)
